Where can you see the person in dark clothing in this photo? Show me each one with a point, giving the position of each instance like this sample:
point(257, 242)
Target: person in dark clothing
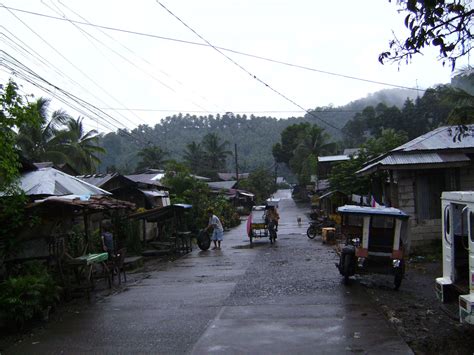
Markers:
point(107, 238)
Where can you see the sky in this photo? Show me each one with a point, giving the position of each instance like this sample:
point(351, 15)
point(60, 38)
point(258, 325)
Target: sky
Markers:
point(122, 79)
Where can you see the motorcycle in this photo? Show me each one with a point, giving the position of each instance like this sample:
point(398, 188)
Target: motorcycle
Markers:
point(272, 231)
point(347, 259)
point(316, 226)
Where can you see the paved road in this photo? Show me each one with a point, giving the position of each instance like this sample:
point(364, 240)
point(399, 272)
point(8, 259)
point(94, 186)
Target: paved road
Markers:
point(270, 299)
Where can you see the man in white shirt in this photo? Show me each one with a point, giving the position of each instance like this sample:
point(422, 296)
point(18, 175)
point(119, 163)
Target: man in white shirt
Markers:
point(218, 230)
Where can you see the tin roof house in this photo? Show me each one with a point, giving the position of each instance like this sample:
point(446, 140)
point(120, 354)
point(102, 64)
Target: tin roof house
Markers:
point(145, 190)
point(420, 170)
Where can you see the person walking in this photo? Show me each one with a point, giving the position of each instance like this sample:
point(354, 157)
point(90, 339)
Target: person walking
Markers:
point(218, 230)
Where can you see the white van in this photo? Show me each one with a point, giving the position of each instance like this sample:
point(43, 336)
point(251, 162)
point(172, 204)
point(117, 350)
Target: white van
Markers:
point(457, 283)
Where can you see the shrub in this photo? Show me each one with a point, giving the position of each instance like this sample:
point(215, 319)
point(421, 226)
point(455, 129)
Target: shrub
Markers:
point(26, 296)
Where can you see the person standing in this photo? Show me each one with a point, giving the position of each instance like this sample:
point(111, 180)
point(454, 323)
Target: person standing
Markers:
point(107, 238)
point(218, 230)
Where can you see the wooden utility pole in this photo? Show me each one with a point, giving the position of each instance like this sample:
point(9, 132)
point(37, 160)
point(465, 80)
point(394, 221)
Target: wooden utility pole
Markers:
point(236, 164)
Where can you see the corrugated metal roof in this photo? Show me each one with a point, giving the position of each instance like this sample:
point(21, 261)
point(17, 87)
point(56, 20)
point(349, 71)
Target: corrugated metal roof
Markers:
point(97, 179)
point(222, 184)
point(154, 193)
point(400, 159)
point(330, 158)
point(440, 138)
point(151, 179)
point(49, 181)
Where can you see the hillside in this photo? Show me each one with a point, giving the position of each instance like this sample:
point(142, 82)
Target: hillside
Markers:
point(253, 135)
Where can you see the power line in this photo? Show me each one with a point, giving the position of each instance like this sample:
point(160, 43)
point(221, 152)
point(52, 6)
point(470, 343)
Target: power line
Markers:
point(233, 111)
point(78, 104)
point(146, 61)
point(246, 71)
point(351, 77)
point(74, 66)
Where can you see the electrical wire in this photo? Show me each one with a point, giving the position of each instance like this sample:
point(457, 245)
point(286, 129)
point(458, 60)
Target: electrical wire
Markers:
point(78, 104)
point(248, 72)
point(147, 62)
point(351, 77)
point(77, 68)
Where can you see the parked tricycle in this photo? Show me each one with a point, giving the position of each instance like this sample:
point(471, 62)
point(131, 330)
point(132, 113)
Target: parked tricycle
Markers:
point(376, 241)
point(457, 282)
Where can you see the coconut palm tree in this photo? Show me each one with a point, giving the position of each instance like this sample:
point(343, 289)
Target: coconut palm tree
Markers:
point(195, 157)
point(216, 153)
point(151, 157)
point(80, 146)
point(38, 142)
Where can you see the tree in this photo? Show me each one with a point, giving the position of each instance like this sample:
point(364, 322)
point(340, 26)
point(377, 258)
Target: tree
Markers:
point(39, 142)
point(216, 153)
point(260, 182)
point(151, 157)
point(81, 147)
point(195, 157)
point(343, 175)
point(13, 115)
point(446, 24)
point(300, 146)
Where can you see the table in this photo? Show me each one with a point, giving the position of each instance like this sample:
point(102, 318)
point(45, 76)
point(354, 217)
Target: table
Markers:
point(83, 267)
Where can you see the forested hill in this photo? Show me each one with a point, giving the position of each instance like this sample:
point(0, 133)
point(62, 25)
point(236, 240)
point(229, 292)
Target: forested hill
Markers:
point(253, 135)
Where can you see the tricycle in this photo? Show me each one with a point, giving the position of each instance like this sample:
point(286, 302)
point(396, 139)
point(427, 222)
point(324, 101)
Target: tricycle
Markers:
point(376, 241)
point(258, 224)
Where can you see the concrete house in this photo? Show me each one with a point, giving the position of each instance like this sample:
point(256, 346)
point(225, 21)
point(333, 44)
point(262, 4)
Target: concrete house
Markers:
point(419, 171)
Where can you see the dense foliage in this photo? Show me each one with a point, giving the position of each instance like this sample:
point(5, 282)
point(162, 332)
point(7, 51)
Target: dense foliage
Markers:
point(27, 295)
point(446, 24)
point(300, 146)
point(182, 136)
point(261, 182)
point(184, 188)
point(343, 178)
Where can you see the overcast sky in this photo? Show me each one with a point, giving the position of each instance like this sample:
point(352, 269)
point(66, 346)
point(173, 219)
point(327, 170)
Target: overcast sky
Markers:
point(137, 79)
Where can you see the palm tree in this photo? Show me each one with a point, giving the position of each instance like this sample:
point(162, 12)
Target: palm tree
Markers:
point(151, 157)
point(313, 143)
point(81, 147)
point(195, 157)
point(216, 153)
point(38, 142)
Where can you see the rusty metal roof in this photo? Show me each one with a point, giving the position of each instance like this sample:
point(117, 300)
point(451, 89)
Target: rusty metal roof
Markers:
point(99, 202)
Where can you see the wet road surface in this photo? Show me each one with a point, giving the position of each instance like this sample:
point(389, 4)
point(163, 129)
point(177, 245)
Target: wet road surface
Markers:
point(269, 299)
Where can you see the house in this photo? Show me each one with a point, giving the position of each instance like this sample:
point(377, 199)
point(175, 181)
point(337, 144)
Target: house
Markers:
point(145, 190)
point(419, 171)
point(240, 198)
point(325, 165)
point(231, 176)
point(59, 203)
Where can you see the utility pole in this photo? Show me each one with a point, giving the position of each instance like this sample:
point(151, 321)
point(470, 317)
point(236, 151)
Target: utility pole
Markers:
point(276, 172)
point(236, 163)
